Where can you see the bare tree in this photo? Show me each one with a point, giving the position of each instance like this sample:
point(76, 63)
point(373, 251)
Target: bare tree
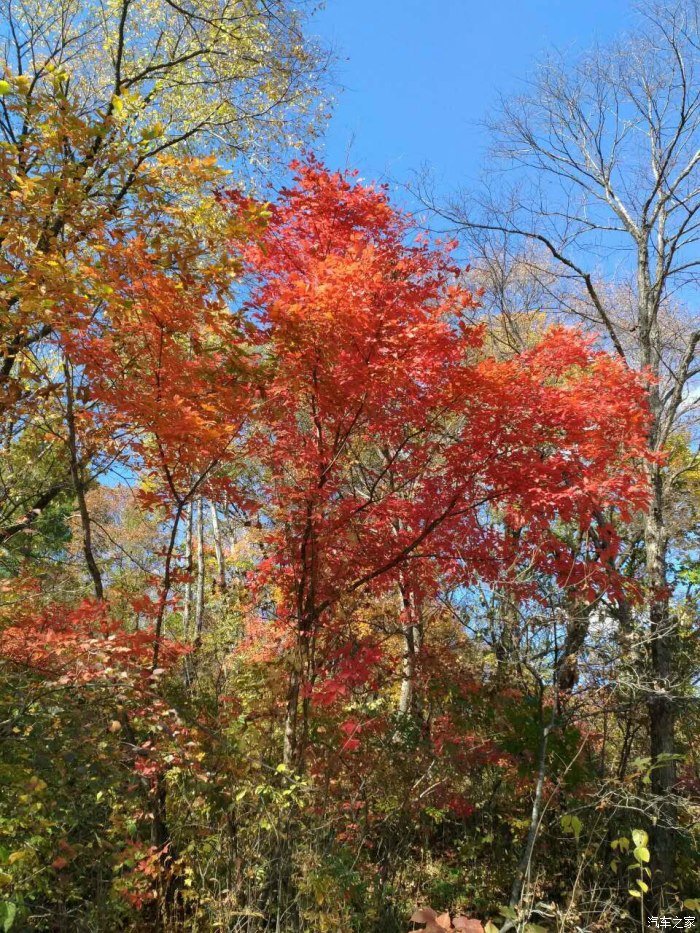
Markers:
point(601, 160)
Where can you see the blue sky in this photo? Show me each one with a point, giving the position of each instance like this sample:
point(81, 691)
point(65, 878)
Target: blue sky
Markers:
point(418, 75)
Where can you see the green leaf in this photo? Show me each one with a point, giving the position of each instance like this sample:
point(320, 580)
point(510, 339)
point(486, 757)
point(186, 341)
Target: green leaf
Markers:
point(635, 893)
point(535, 928)
point(641, 853)
point(152, 132)
point(8, 912)
point(693, 903)
point(576, 826)
point(639, 837)
point(643, 885)
point(508, 913)
point(490, 927)
point(571, 824)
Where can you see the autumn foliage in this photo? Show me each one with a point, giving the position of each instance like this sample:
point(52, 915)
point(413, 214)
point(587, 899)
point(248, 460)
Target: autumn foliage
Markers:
point(324, 382)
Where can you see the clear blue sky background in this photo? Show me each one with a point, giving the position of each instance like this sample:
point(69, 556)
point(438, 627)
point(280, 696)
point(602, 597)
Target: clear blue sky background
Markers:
point(418, 75)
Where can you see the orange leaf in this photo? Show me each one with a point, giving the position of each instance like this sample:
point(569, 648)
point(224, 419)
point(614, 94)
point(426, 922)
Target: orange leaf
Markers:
point(468, 925)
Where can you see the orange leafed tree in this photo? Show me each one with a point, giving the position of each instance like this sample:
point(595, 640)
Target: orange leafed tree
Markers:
point(386, 431)
point(325, 374)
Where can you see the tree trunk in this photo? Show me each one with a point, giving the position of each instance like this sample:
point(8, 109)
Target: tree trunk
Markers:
point(79, 484)
point(578, 616)
point(298, 704)
point(289, 752)
point(220, 559)
point(186, 609)
point(525, 862)
point(199, 597)
point(302, 675)
point(662, 713)
point(661, 629)
point(412, 634)
point(166, 584)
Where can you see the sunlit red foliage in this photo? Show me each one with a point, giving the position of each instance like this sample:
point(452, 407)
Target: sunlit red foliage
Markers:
point(387, 432)
point(82, 645)
point(165, 360)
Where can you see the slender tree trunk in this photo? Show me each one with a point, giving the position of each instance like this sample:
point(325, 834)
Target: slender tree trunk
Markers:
point(578, 616)
point(218, 547)
point(406, 697)
point(412, 634)
point(662, 713)
point(160, 834)
point(166, 585)
point(296, 725)
point(505, 624)
point(661, 629)
point(296, 730)
point(525, 861)
point(523, 868)
point(628, 737)
point(302, 675)
point(199, 596)
point(77, 478)
point(187, 608)
point(289, 752)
